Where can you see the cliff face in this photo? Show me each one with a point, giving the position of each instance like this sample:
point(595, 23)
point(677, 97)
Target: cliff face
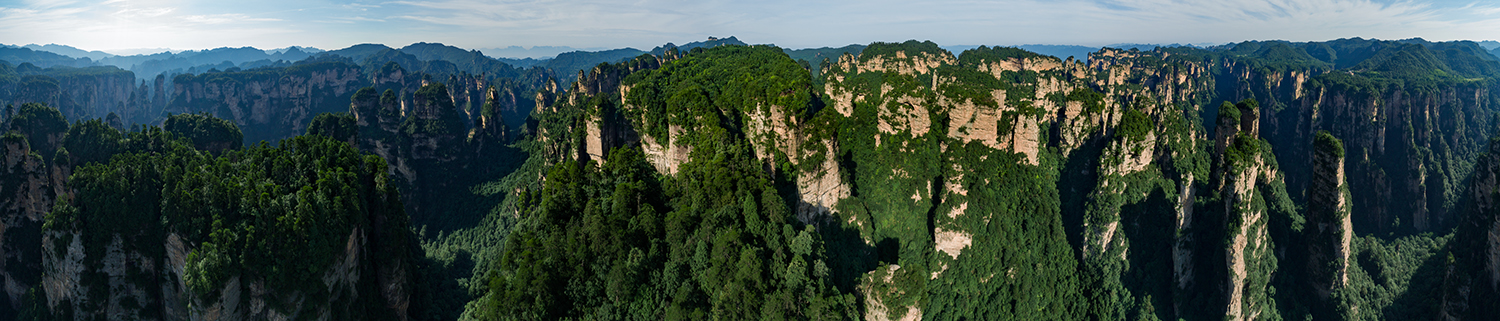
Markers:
point(425, 141)
point(82, 93)
point(1471, 275)
point(593, 105)
point(86, 260)
point(1125, 127)
point(491, 131)
point(1122, 124)
point(1332, 231)
point(268, 104)
point(1405, 142)
point(246, 297)
point(149, 282)
point(96, 95)
point(25, 198)
point(1249, 260)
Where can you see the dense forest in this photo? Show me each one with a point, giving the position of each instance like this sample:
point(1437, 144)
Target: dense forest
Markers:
point(1351, 179)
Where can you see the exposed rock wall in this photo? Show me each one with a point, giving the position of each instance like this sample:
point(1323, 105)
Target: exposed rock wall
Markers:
point(597, 99)
point(26, 196)
point(1249, 259)
point(138, 283)
point(1328, 215)
point(82, 93)
point(268, 105)
point(1404, 141)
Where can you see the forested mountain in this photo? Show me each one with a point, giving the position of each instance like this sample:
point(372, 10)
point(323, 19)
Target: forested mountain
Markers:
point(69, 51)
point(180, 222)
point(41, 58)
point(1347, 179)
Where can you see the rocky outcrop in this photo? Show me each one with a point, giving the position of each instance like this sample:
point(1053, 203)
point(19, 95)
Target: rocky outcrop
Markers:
point(594, 103)
point(268, 104)
point(62, 271)
point(247, 298)
point(435, 127)
point(490, 130)
point(26, 196)
point(878, 300)
point(1471, 276)
point(379, 118)
point(606, 129)
point(1395, 134)
point(822, 186)
point(1182, 244)
point(1328, 217)
point(425, 142)
point(1483, 230)
point(1248, 246)
point(1248, 253)
point(667, 153)
point(82, 93)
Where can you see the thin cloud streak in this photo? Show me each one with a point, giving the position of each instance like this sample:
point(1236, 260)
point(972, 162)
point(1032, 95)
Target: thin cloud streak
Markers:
point(333, 24)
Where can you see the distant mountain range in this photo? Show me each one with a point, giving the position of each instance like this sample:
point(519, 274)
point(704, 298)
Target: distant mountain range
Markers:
point(564, 61)
point(535, 52)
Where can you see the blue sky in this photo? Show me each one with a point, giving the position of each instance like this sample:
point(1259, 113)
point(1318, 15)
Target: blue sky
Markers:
point(122, 24)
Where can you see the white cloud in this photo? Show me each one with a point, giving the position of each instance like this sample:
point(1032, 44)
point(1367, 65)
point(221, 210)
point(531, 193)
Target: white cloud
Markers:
point(224, 18)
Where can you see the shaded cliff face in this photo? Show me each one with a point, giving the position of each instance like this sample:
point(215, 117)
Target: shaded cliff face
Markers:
point(1250, 194)
point(268, 104)
point(1410, 136)
point(1121, 131)
point(1331, 229)
point(79, 93)
point(25, 198)
point(1404, 142)
point(427, 143)
point(150, 255)
point(1471, 273)
point(117, 241)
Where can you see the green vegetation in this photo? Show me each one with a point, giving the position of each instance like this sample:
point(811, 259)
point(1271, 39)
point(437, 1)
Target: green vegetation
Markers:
point(716, 240)
point(888, 50)
point(567, 65)
point(1399, 279)
point(1134, 126)
point(281, 218)
point(724, 246)
point(816, 57)
point(1081, 191)
point(1325, 141)
point(1020, 265)
point(715, 94)
point(41, 125)
point(205, 132)
point(339, 126)
point(436, 116)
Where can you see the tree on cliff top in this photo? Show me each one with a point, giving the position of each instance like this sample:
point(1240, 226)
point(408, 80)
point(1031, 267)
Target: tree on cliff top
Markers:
point(205, 131)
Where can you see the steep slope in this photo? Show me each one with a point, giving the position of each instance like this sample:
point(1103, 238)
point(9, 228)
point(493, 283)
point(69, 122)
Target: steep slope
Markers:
point(268, 103)
point(89, 92)
point(725, 245)
point(148, 226)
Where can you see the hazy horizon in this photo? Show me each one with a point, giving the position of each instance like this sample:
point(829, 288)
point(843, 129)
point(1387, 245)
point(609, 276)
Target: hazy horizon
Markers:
point(127, 26)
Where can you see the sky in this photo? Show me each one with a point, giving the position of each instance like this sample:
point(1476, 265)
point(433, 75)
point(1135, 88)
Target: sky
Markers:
point(128, 24)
